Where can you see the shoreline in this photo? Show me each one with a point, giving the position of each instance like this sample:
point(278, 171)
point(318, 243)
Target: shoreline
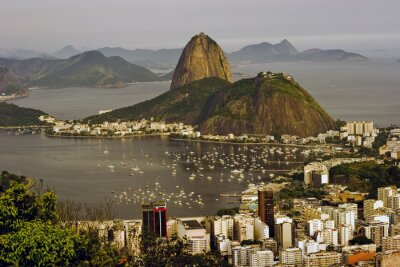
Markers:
point(18, 96)
point(181, 140)
point(103, 137)
point(24, 127)
point(238, 143)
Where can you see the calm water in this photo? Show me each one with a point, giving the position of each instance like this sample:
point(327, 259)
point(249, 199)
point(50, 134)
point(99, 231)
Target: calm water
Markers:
point(78, 168)
point(347, 90)
point(75, 103)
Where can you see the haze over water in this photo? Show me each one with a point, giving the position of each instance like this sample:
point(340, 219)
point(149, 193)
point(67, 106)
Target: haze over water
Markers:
point(78, 169)
point(347, 90)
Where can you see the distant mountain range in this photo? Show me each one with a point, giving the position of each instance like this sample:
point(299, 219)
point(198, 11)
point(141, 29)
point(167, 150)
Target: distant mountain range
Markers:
point(168, 58)
point(91, 69)
point(285, 51)
point(9, 83)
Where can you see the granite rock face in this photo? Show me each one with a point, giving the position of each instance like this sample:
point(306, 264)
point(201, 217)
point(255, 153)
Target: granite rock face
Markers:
point(201, 58)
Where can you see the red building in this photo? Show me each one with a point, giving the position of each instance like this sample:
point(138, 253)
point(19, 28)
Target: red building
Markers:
point(155, 218)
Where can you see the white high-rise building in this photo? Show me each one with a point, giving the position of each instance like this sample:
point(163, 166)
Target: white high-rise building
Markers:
point(350, 206)
point(385, 192)
point(345, 217)
point(330, 236)
point(242, 256)
point(262, 258)
point(316, 168)
point(329, 224)
point(285, 234)
point(224, 226)
point(308, 246)
point(370, 205)
point(394, 201)
point(345, 234)
point(376, 231)
point(360, 128)
point(261, 230)
point(314, 226)
point(198, 238)
point(323, 259)
point(291, 256)
point(244, 227)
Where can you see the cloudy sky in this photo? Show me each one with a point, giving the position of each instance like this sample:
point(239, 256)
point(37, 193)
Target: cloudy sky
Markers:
point(47, 25)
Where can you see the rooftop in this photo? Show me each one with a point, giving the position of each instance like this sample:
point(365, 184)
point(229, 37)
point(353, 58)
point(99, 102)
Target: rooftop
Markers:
point(192, 224)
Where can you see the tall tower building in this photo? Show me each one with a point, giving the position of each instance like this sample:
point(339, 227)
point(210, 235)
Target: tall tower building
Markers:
point(266, 209)
point(155, 218)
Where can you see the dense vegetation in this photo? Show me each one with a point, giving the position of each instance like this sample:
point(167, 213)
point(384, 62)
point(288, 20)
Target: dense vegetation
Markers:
point(6, 179)
point(366, 176)
point(261, 105)
point(271, 103)
point(90, 68)
point(182, 104)
point(32, 234)
point(300, 191)
point(12, 115)
point(231, 211)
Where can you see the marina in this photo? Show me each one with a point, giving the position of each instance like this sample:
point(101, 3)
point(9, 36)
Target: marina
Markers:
point(189, 176)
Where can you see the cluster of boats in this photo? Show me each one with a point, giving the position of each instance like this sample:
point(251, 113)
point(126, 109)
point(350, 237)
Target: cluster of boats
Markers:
point(139, 195)
point(231, 164)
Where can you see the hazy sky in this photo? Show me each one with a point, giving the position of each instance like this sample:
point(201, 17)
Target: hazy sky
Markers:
point(48, 25)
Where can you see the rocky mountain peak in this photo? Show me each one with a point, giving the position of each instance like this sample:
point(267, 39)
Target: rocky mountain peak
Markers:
point(201, 58)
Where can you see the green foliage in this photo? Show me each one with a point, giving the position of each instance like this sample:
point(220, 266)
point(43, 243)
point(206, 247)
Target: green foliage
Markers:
point(183, 104)
point(91, 68)
point(330, 248)
point(231, 211)
point(340, 123)
point(380, 139)
point(298, 176)
point(360, 240)
point(6, 179)
point(367, 176)
point(18, 205)
point(12, 115)
point(287, 204)
point(30, 235)
point(38, 244)
point(173, 252)
point(300, 192)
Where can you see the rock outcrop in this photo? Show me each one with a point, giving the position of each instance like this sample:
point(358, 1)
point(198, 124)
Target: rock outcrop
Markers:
point(271, 104)
point(201, 58)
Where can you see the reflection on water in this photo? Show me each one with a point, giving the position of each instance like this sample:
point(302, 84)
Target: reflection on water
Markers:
point(189, 175)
